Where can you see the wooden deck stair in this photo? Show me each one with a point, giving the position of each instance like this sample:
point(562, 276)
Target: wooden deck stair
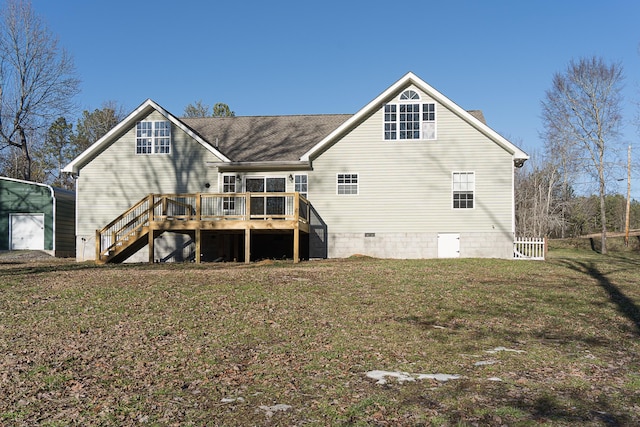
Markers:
point(127, 246)
point(191, 213)
point(126, 234)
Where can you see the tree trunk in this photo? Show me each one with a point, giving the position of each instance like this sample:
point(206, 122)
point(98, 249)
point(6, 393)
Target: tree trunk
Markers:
point(26, 167)
point(604, 224)
point(603, 211)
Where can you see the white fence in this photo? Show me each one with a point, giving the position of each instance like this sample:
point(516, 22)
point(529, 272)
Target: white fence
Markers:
point(530, 248)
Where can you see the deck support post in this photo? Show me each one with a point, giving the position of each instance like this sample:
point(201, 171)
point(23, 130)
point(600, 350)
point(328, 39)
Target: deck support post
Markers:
point(296, 244)
point(151, 248)
point(98, 247)
point(247, 245)
point(296, 228)
point(198, 236)
point(247, 230)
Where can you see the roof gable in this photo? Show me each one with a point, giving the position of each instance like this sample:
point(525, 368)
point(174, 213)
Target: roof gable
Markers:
point(139, 113)
point(283, 138)
point(472, 117)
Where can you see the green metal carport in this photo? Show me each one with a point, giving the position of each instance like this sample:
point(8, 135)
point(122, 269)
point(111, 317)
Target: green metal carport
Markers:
point(36, 216)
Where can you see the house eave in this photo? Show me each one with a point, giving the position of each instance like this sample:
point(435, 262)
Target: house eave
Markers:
point(261, 166)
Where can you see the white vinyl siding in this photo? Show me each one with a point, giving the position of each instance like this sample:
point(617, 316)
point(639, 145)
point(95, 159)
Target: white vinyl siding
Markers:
point(115, 180)
point(407, 187)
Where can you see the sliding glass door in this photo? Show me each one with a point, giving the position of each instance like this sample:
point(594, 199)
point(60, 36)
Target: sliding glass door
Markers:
point(267, 205)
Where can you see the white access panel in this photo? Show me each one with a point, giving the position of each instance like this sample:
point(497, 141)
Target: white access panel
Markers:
point(26, 231)
point(448, 245)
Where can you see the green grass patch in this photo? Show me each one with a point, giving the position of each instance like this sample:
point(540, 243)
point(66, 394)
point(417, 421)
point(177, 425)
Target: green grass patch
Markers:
point(533, 343)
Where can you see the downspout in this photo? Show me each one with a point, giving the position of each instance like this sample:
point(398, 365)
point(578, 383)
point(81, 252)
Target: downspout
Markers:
point(513, 202)
point(76, 202)
point(53, 219)
point(517, 164)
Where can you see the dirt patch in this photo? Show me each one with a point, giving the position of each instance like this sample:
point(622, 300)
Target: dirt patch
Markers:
point(25, 256)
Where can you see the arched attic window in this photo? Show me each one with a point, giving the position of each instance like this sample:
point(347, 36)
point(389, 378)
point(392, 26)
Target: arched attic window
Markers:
point(409, 94)
point(410, 119)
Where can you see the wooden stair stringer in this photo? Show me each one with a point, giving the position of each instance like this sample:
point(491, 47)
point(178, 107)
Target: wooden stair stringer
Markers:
point(127, 246)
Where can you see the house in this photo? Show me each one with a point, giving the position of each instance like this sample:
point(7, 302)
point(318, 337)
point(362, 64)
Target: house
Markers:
point(410, 175)
point(36, 216)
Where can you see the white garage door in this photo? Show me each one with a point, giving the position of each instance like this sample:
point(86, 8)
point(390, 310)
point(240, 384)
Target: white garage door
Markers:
point(27, 231)
point(448, 245)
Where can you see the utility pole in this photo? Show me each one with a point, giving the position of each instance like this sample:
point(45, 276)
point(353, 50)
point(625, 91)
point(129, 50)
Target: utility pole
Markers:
point(626, 222)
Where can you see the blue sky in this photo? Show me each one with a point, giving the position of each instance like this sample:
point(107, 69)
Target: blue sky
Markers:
point(314, 57)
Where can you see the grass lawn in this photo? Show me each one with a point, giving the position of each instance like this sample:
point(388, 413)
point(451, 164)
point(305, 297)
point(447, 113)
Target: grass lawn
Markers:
point(526, 343)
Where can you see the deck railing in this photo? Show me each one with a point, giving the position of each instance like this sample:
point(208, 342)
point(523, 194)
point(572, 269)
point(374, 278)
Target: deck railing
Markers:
point(199, 207)
point(230, 206)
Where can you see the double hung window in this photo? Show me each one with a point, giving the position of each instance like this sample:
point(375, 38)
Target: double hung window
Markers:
point(228, 186)
point(347, 183)
point(464, 186)
point(301, 185)
point(153, 137)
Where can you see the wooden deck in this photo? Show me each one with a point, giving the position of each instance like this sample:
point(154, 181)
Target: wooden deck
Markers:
point(198, 213)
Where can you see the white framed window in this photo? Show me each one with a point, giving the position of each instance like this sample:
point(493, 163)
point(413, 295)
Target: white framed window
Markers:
point(144, 138)
point(153, 137)
point(409, 94)
point(229, 186)
point(162, 137)
point(347, 183)
point(301, 185)
point(429, 121)
point(410, 120)
point(463, 187)
point(390, 121)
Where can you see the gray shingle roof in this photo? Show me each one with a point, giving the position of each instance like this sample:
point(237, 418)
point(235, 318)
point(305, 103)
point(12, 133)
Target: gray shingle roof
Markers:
point(270, 138)
point(265, 138)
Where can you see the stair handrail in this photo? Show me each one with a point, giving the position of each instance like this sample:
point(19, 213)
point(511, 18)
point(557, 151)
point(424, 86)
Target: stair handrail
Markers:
point(125, 213)
point(141, 219)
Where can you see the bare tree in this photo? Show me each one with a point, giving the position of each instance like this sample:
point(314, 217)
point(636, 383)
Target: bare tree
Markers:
point(94, 125)
point(539, 208)
point(37, 79)
point(12, 165)
point(582, 115)
point(197, 110)
point(55, 153)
